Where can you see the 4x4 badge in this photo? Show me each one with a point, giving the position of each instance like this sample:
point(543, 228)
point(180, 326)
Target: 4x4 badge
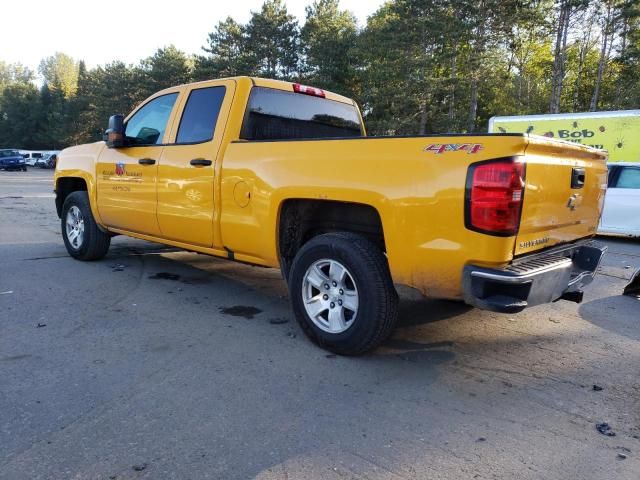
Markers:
point(438, 148)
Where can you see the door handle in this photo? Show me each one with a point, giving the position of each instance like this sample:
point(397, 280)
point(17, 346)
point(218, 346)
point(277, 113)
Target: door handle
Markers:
point(200, 162)
point(146, 161)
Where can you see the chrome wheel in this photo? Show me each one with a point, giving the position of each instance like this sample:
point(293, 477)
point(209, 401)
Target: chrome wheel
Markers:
point(330, 296)
point(75, 227)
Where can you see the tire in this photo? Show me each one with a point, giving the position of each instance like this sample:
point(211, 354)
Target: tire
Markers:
point(368, 303)
point(84, 239)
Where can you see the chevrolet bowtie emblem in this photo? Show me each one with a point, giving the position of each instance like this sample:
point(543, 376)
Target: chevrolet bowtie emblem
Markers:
point(574, 201)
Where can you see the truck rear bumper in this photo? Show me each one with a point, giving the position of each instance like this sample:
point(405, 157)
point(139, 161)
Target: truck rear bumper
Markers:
point(533, 280)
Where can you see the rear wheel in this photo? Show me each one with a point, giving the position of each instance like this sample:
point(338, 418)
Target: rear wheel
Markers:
point(342, 293)
point(82, 237)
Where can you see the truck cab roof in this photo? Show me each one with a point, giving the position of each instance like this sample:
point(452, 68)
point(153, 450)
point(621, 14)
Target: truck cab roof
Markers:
point(262, 82)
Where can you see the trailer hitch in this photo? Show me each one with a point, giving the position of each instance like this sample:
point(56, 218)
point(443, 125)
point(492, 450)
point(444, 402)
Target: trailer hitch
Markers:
point(633, 287)
point(575, 296)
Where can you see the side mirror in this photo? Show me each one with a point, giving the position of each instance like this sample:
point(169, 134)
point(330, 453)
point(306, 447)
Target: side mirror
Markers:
point(114, 136)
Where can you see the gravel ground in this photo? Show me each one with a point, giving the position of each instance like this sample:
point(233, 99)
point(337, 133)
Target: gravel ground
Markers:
point(130, 368)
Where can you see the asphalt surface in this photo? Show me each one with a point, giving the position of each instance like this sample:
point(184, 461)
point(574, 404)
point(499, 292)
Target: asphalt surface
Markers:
point(129, 368)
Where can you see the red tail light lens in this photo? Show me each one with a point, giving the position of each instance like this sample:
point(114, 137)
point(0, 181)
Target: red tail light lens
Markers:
point(493, 200)
point(316, 92)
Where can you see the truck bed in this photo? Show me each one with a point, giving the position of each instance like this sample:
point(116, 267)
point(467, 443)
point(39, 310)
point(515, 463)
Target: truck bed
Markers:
point(417, 185)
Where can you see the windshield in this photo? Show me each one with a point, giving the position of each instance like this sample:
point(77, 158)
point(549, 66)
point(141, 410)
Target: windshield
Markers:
point(9, 153)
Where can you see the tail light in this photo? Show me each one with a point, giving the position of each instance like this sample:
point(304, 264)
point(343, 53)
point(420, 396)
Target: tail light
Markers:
point(493, 199)
point(316, 92)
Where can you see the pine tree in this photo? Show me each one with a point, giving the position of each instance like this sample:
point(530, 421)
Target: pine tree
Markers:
point(329, 38)
point(273, 41)
point(228, 50)
point(165, 68)
point(19, 115)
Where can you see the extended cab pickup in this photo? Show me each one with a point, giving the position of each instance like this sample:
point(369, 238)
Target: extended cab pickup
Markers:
point(282, 175)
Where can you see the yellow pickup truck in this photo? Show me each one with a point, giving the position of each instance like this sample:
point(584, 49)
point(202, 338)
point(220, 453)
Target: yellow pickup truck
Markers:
point(283, 175)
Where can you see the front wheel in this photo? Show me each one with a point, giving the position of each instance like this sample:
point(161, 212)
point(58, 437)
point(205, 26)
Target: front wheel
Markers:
point(342, 293)
point(82, 236)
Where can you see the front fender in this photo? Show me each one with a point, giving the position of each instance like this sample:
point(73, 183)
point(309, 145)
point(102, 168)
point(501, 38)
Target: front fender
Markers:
point(79, 162)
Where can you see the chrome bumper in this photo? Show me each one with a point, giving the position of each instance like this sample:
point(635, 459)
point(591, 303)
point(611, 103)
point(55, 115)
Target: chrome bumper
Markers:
point(533, 280)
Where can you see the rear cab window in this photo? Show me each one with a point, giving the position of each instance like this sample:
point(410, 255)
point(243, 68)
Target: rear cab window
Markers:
point(280, 115)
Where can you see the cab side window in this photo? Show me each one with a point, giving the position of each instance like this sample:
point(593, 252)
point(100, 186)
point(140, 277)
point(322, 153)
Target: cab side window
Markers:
point(200, 115)
point(628, 177)
point(147, 125)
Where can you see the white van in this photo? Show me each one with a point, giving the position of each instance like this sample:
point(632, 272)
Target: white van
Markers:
point(622, 201)
point(32, 157)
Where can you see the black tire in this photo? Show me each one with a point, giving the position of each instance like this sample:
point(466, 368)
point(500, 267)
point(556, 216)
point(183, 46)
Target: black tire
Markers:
point(95, 243)
point(377, 310)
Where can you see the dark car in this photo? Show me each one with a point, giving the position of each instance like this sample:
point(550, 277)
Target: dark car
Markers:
point(47, 161)
point(12, 160)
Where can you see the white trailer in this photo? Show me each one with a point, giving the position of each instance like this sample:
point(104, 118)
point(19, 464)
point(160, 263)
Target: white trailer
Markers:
point(618, 131)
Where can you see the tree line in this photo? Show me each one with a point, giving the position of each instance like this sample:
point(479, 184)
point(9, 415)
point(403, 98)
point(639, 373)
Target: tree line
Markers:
point(416, 67)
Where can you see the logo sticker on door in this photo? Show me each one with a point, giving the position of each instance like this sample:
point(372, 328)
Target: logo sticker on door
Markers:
point(120, 170)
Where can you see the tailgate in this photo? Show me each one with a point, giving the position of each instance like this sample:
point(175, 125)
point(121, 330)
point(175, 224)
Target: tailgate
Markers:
point(564, 193)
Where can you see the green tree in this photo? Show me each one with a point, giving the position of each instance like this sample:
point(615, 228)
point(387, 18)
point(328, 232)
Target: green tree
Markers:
point(228, 53)
point(104, 91)
point(80, 109)
point(19, 116)
point(627, 62)
point(329, 39)
point(273, 40)
point(14, 73)
point(612, 18)
point(412, 55)
point(566, 12)
point(529, 62)
point(60, 72)
point(165, 68)
point(489, 26)
point(53, 119)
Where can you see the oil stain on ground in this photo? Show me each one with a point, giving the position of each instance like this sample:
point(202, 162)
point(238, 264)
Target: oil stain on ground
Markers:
point(175, 277)
point(278, 321)
point(240, 311)
point(164, 276)
point(14, 357)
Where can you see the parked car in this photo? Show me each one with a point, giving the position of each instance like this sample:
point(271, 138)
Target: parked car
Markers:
point(622, 201)
point(283, 175)
point(12, 160)
point(32, 157)
point(47, 161)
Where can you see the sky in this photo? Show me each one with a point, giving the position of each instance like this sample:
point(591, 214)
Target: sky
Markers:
point(128, 30)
